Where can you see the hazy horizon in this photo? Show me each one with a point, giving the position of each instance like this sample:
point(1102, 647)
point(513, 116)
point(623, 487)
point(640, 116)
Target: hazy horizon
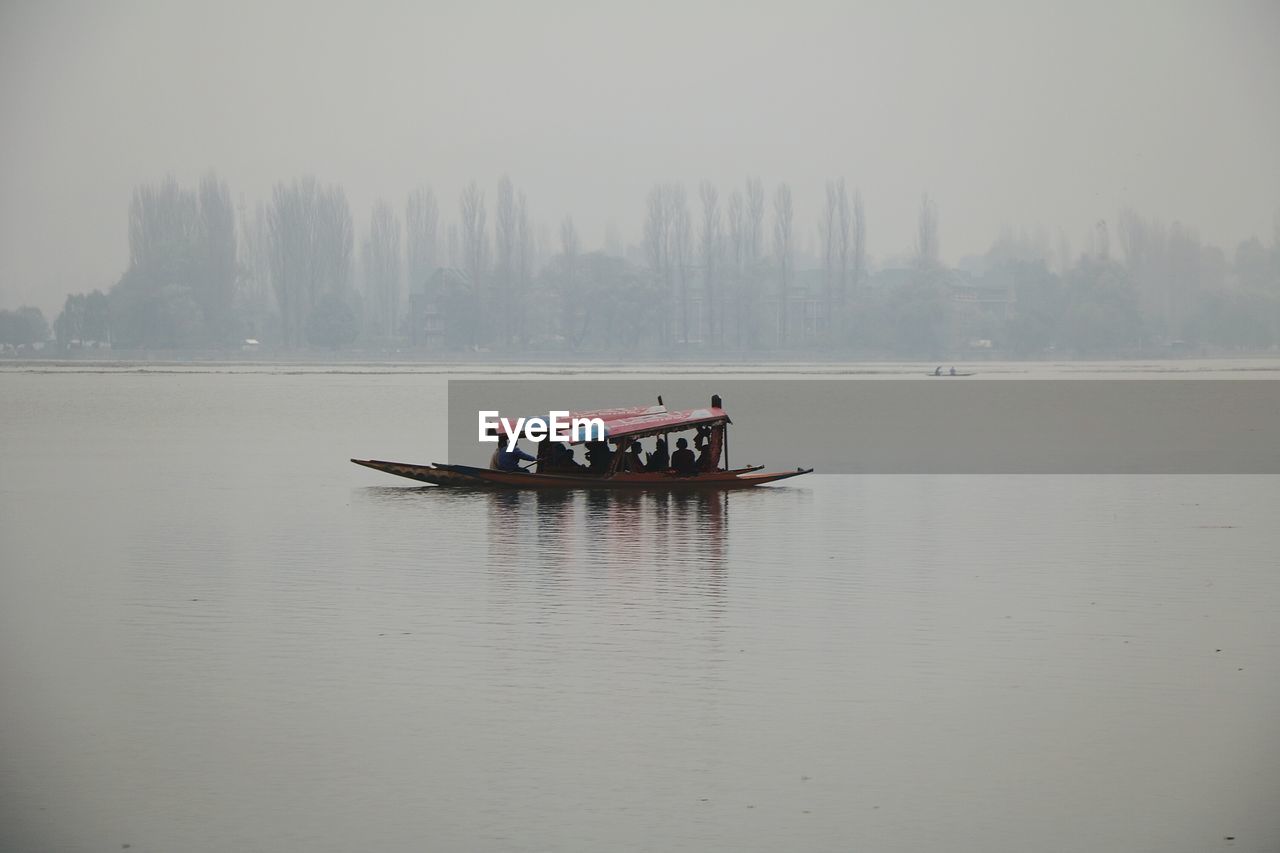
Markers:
point(1031, 117)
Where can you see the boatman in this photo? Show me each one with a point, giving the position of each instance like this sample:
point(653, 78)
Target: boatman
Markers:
point(634, 462)
point(562, 457)
point(508, 460)
point(598, 457)
point(705, 460)
point(658, 459)
point(683, 460)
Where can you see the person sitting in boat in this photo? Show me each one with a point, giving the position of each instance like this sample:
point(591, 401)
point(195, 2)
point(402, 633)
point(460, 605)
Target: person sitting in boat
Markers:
point(703, 443)
point(937, 371)
point(509, 460)
point(683, 460)
point(559, 457)
point(702, 439)
point(633, 462)
point(565, 460)
point(598, 457)
point(658, 459)
point(953, 371)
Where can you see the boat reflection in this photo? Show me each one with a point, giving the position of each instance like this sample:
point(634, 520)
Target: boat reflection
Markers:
point(623, 548)
point(658, 529)
point(621, 545)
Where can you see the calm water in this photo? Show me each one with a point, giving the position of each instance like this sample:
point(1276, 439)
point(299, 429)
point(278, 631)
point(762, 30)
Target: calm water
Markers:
point(217, 634)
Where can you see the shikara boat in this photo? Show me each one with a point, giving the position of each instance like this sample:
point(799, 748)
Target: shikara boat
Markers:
point(622, 426)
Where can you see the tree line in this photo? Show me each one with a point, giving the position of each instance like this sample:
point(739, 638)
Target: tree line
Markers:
point(727, 269)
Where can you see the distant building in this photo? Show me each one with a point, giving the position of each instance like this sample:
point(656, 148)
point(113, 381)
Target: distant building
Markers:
point(996, 301)
point(426, 306)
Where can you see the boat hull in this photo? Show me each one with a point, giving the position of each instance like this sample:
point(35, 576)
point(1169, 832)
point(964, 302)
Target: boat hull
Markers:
point(463, 476)
point(432, 474)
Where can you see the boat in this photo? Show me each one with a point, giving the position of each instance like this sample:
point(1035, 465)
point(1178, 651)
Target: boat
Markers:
point(946, 375)
point(622, 426)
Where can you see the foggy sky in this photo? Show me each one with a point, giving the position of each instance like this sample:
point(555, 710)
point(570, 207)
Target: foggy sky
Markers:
point(1022, 114)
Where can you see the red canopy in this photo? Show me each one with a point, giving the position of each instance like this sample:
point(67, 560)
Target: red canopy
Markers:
point(636, 421)
point(622, 412)
point(606, 415)
point(656, 422)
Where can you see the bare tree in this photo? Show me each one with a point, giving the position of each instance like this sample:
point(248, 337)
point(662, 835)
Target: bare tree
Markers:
point(163, 298)
point(312, 241)
point(542, 243)
point(737, 216)
point(216, 278)
point(859, 240)
point(380, 255)
point(834, 233)
point(336, 241)
point(754, 221)
point(1182, 277)
point(504, 241)
point(1132, 233)
point(453, 246)
point(1064, 252)
point(656, 230)
point(613, 244)
point(711, 240)
point(569, 244)
point(828, 234)
point(927, 253)
point(523, 260)
point(332, 321)
point(843, 245)
point(668, 246)
point(782, 252)
point(292, 226)
point(421, 221)
point(254, 265)
point(163, 225)
point(475, 242)
point(657, 247)
point(1164, 263)
point(681, 243)
point(570, 298)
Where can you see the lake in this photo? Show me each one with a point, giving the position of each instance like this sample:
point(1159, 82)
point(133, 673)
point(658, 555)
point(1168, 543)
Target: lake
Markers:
point(218, 634)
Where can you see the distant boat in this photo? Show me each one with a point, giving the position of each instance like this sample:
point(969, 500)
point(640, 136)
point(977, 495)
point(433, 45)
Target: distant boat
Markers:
point(942, 375)
point(622, 426)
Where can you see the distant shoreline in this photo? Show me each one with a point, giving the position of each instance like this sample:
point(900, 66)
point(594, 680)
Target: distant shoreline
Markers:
point(598, 359)
point(1257, 366)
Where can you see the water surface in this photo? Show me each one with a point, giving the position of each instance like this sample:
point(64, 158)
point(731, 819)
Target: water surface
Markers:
point(215, 633)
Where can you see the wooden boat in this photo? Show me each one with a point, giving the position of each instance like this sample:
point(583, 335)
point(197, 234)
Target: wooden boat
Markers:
point(622, 426)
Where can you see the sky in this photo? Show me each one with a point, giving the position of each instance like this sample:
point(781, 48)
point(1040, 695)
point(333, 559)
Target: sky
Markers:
point(1019, 114)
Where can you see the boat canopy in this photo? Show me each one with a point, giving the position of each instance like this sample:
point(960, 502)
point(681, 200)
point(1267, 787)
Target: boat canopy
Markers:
point(606, 415)
point(656, 423)
point(622, 412)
